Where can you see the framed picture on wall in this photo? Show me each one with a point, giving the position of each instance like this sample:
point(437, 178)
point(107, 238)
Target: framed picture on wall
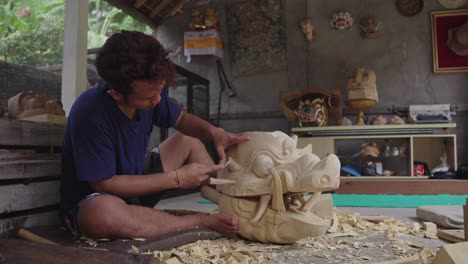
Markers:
point(450, 40)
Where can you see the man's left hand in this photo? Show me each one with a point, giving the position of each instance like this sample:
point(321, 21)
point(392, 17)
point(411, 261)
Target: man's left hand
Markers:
point(223, 139)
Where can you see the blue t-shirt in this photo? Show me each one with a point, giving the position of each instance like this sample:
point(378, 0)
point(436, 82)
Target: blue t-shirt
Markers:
point(100, 141)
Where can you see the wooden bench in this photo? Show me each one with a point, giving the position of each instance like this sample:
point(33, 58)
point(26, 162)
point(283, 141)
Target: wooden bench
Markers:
point(29, 174)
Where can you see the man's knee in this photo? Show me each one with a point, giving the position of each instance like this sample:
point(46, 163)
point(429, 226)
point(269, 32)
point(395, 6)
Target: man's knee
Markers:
point(193, 142)
point(106, 216)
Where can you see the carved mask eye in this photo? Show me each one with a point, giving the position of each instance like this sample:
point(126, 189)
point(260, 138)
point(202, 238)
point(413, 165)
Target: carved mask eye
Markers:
point(325, 179)
point(261, 165)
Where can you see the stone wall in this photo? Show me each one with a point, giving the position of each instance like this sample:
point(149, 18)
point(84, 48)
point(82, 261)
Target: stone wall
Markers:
point(401, 58)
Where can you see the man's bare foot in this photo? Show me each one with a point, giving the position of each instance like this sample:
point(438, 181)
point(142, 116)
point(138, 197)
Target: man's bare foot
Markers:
point(223, 223)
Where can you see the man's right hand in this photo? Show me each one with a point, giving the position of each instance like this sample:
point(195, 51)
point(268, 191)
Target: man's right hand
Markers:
point(194, 174)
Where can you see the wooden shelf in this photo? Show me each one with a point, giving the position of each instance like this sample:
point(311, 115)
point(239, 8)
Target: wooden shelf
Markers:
point(421, 142)
point(410, 185)
point(367, 127)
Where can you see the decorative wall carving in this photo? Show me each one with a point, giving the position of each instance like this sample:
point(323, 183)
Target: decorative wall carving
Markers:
point(31, 103)
point(257, 36)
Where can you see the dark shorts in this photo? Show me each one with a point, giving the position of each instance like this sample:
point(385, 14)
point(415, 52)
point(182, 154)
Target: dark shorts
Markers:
point(153, 164)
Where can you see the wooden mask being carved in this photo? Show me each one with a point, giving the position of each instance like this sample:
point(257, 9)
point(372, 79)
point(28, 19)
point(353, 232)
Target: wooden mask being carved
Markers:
point(271, 177)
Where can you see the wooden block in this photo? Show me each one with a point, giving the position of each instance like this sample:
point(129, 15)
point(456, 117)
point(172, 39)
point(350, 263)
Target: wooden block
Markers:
point(452, 235)
point(431, 227)
point(375, 218)
point(18, 197)
point(452, 254)
point(47, 118)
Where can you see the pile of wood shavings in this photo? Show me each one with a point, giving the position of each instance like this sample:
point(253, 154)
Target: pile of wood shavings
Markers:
point(354, 241)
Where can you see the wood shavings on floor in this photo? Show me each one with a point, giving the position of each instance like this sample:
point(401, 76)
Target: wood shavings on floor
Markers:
point(353, 241)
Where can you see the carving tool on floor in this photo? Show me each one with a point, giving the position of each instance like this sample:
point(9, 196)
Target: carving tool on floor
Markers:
point(25, 234)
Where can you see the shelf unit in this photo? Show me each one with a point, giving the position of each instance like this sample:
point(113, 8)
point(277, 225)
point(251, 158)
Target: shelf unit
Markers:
point(419, 142)
point(425, 142)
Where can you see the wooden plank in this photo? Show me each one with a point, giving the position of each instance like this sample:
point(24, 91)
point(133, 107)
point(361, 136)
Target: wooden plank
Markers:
point(29, 169)
point(27, 133)
point(177, 8)
point(402, 186)
point(452, 254)
point(19, 197)
point(26, 252)
point(159, 8)
point(139, 3)
point(47, 118)
point(465, 219)
point(367, 127)
point(50, 218)
point(452, 235)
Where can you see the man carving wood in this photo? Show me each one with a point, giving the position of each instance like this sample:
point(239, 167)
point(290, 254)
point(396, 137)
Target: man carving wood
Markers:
point(104, 191)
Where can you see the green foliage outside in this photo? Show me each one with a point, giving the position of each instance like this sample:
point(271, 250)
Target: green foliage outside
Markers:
point(31, 31)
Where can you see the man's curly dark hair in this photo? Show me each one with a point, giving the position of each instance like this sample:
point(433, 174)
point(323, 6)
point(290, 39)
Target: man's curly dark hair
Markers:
point(129, 56)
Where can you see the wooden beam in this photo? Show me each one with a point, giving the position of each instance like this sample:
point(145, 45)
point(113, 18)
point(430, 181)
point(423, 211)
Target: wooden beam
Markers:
point(159, 8)
point(18, 197)
point(402, 186)
point(139, 3)
point(133, 12)
point(28, 133)
point(23, 169)
point(177, 8)
point(75, 41)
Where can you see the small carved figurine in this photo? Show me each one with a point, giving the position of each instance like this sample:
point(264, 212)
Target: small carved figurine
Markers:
point(211, 17)
point(270, 178)
point(362, 84)
point(30, 103)
point(346, 122)
point(369, 150)
point(396, 120)
point(308, 29)
point(379, 120)
point(341, 21)
point(370, 27)
point(197, 20)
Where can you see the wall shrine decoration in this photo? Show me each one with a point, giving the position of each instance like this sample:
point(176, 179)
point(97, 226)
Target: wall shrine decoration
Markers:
point(257, 36)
